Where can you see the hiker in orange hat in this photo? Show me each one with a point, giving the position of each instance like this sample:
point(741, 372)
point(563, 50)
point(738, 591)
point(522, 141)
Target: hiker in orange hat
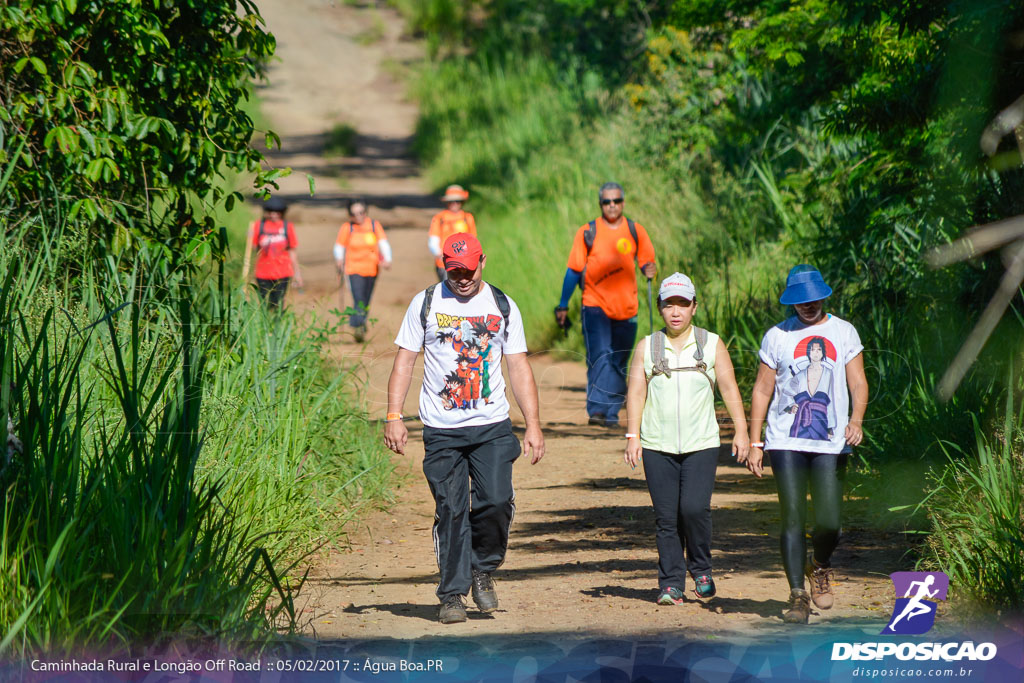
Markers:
point(448, 222)
point(603, 262)
point(360, 250)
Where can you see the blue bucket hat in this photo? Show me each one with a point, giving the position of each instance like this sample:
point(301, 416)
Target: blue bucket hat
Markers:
point(803, 285)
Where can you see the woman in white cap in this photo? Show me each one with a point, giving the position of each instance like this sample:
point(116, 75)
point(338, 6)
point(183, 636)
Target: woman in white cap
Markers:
point(448, 222)
point(671, 426)
point(812, 365)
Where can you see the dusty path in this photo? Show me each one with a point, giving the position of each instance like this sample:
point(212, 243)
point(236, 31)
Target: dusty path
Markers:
point(582, 558)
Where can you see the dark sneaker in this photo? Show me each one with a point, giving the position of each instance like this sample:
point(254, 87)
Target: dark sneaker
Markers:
point(799, 607)
point(705, 586)
point(452, 610)
point(483, 592)
point(820, 579)
point(360, 334)
point(670, 596)
point(598, 420)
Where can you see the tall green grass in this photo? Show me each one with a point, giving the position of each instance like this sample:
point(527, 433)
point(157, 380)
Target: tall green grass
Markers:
point(977, 513)
point(174, 452)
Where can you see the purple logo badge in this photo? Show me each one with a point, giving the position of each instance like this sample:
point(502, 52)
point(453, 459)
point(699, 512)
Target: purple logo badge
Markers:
point(914, 612)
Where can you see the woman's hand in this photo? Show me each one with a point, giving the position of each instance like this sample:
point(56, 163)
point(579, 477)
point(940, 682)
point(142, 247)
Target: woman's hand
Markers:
point(854, 433)
point(634, 452)
point(754, 460)
point(741, 447)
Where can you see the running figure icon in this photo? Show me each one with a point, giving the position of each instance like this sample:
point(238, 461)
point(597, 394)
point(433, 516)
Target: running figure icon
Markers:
point(920, 591)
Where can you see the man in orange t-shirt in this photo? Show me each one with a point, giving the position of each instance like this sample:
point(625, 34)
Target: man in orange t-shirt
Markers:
point(361, 248)
point(276, 260)
point(448, 222)
point(603, 262)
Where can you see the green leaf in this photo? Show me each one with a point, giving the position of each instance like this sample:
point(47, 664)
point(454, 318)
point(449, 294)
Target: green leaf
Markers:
point(65, 138)
point(312, 184)
point(71, 6)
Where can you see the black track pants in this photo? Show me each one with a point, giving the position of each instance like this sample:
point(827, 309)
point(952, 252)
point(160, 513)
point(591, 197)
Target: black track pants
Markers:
point(681, 487)
point(793, 470)
point(469, 470)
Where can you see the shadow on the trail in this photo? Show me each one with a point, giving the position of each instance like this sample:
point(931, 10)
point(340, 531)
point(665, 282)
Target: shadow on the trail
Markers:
point(424, 612)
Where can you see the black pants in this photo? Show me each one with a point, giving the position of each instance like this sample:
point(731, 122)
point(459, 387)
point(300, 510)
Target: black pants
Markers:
point(273, 291)
point(469, 470)
point(680, 487)
point(362, 289)
point(825, 472)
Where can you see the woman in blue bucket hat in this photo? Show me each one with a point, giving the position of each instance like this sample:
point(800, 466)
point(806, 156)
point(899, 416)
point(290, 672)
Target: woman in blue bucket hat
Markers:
point(812, 392)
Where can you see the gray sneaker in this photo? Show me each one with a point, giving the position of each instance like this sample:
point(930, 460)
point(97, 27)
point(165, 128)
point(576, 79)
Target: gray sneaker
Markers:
point(452, 610)
point(483, 592)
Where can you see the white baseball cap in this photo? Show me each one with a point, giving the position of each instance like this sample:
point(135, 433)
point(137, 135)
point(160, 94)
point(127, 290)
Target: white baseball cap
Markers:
point(677, 284)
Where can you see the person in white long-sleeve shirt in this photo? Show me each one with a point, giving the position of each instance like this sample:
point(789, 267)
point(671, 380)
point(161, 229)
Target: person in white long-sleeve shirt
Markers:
point(360, 251)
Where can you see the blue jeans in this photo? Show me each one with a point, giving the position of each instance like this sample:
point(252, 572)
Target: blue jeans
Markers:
point(608, 343)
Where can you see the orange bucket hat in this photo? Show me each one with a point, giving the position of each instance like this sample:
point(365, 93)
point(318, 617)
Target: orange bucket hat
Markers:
point(455, 193)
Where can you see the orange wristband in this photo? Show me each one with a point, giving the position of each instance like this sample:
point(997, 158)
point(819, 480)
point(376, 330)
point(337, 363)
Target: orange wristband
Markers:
point(393, 417)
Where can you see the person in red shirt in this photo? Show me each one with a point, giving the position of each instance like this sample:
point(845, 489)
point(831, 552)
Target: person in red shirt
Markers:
point(603, 263)
point(359, 251)
point(277, 262)
point(448, 222)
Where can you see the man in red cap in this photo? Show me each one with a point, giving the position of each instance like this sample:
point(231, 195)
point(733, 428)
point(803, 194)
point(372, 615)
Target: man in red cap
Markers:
point(448, 222)
point(455, 322)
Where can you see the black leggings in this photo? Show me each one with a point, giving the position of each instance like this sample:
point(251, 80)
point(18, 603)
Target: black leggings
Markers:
point(273, 291)
point(825, 471)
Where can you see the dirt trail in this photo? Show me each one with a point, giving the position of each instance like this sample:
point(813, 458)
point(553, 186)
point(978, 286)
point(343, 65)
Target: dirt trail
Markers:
point(582, 558)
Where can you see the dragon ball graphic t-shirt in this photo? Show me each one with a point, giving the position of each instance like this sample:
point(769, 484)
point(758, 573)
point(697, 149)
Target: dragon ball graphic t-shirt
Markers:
point(463, 343)
point(811, 405)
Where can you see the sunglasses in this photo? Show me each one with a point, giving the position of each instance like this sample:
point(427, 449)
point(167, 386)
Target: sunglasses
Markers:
point(617, 200)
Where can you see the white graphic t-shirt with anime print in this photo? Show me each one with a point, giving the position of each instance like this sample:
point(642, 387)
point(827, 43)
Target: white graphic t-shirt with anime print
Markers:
point(465, 340)
point(811, 405)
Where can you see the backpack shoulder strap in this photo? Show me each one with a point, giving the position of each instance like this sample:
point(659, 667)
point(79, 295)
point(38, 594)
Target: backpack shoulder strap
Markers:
point(700, 335)
point(501, 300)
point(260, 234)
point(636, 240)
point(428, 299)
point(589, 235)
point(659, 364)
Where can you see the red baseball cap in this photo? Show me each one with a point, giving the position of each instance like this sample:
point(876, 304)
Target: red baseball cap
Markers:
point(462, 250)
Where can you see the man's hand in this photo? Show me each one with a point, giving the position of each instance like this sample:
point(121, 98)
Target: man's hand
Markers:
point(298, 280)
point(396, 436)
point(562, 317)
point(649, 271)
point(533, 443)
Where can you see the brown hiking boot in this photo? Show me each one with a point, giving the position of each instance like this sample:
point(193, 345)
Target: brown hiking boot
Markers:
point(820, 579)
point(799, 607)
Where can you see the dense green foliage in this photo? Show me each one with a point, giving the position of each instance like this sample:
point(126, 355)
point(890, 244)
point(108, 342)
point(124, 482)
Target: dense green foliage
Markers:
point(121, 114)
point(752, 135)
point(173, 451)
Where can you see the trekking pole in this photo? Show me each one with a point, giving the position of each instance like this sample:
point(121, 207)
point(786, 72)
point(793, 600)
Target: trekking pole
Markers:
point(650, 307)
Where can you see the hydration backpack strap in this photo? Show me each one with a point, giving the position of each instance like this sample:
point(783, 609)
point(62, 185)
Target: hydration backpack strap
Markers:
point(428, 300)
point(501, 300)
point(659, 364)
